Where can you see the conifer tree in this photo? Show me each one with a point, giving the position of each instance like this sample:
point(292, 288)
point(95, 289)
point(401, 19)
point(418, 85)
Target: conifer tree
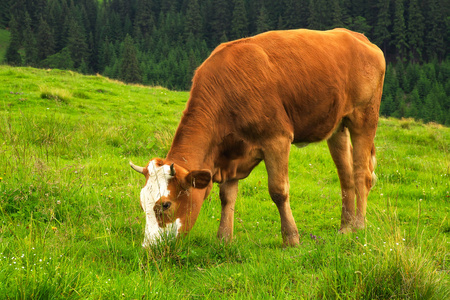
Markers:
point(56, 22)
point(5, 15)
point(434, 39)
point(60, 60)
point(382, 33)
point(318, 15)
point(414, 102)
point(399, 31)
point(239, 23)
point(262, 23)
point(45, 41)
point(29, 42)
point(359, 24)
point(415, 32)
point(296, 14)
point(77, 42)
point(144, 20)
point(12, 55)
point(220, 16)
point(194, 22)
point(130, 71)
point(337, 15)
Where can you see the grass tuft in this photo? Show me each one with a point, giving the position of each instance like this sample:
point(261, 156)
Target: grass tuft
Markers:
point(57, 94)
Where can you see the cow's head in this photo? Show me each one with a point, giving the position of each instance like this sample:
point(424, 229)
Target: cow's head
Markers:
point(171, 198)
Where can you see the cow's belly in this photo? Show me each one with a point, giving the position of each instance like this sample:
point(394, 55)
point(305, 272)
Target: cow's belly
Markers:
point(300, 145)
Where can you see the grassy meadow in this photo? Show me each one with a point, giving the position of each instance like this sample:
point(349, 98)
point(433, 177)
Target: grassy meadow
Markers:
point(71, 225)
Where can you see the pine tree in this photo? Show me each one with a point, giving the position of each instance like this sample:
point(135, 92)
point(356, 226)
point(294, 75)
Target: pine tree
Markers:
point(382, 33)
point(239, 23)
point(414, 102)
point(130, 71)
point(12, 55)
point(434, 39)
point(399, 31)
point(60, 60)
point(144, 21)
point(57, 26)
point(29, 42)
point(45, 41)
point(386, 108)
point(415, 31)
point(296, 14)
point(107, 55)
point(219, 22)
point(5, 14)
point(262, 23)
point(318, 15)
point(194, 22)
point(77, 42)
point(337, 15)
point(359, 24)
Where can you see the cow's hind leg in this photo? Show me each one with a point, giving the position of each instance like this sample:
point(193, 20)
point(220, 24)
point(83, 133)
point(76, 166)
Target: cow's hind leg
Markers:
point(341, 151)
point(228, 195)
point(362, 128)
point(276, 157)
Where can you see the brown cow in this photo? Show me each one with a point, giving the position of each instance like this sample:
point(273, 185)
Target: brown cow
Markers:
point(253, 98)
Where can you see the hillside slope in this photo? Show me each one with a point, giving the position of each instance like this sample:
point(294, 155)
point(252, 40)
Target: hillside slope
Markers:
point(71, 225)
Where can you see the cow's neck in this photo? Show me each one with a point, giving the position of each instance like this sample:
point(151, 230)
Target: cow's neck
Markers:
point(192, 147)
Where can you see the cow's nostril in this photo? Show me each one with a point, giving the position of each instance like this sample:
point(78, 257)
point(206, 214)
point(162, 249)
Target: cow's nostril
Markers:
point(166, 205)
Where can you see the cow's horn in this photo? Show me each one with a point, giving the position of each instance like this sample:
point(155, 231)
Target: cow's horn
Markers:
point(137, 168)
point(172, 170)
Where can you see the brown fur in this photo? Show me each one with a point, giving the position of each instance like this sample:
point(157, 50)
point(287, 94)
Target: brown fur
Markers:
point(253, 97)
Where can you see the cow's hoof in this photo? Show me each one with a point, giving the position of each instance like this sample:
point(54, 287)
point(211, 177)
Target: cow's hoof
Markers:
point(345, 229)
point(291, 240)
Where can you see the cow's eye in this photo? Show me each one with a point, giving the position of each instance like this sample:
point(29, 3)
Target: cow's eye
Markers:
point(166, 205)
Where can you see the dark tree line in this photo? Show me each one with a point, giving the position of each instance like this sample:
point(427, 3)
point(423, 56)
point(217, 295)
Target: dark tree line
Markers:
point(161, 42)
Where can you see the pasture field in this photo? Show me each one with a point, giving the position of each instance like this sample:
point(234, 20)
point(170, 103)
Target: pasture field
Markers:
point(71, 225)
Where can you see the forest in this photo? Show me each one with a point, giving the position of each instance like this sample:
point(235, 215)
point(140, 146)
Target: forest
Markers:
point(162, 42)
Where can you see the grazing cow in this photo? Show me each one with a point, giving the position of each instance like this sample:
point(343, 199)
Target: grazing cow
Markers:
point(253, 98)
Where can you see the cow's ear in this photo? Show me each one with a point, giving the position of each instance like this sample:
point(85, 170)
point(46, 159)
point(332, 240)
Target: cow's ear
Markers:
point(198, 179)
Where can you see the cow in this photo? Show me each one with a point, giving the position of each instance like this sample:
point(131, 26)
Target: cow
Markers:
point(250, 100)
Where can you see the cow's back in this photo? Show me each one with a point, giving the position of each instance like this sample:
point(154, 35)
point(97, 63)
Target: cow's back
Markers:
point(297, 81)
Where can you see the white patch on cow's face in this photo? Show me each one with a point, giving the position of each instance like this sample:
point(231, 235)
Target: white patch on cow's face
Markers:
point(156, 187)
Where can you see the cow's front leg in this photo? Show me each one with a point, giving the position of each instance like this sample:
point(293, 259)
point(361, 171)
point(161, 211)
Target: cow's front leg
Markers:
point(276, 157)
point(228, 195)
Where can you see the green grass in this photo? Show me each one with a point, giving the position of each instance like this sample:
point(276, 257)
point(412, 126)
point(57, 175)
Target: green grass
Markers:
point(71, 225)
